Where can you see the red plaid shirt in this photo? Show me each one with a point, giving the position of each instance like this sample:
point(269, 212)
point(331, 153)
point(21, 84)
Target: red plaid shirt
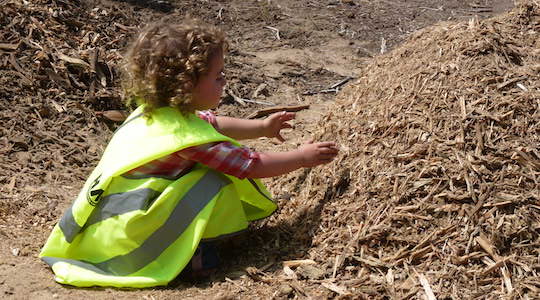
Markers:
point(223, 156)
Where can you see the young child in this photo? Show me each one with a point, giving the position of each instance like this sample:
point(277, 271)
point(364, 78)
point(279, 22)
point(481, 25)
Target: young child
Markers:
point(172, 175)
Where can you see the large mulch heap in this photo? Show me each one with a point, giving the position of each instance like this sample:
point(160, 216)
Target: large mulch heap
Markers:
point(438, 186)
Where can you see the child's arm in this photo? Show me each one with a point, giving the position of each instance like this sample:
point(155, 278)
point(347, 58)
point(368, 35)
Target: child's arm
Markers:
point(241, 129)
point(306, 156)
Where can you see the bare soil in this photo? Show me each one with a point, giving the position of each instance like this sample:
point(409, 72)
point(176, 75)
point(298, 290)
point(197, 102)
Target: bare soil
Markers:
point(54, 129)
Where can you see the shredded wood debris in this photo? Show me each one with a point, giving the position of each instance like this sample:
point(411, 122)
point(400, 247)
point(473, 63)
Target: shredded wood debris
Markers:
point(439, 169)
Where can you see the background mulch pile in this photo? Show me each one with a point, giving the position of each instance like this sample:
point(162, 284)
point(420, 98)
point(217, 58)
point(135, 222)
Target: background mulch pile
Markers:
point(438, 185)
point(57, 63)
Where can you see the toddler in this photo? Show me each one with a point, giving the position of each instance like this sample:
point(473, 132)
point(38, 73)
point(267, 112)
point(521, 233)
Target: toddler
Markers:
point(173, 177)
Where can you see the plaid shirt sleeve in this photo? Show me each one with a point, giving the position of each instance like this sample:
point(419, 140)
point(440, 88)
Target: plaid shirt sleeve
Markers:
point(208, 116)
point(224, 157)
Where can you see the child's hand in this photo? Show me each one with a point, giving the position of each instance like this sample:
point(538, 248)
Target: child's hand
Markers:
point(275, 122)
point(314, 154)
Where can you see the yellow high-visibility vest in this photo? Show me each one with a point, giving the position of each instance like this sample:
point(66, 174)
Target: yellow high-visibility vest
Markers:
point(142, 231)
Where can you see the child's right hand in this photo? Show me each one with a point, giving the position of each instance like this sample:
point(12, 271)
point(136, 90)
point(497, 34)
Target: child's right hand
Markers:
point(314, 154)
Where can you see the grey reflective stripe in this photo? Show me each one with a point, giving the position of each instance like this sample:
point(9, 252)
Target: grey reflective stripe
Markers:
point(69, 226)
point(85, 265)
point(110, 206)
point(128, 121)
point(121, 203)
point(259, 189)
point(180, 218)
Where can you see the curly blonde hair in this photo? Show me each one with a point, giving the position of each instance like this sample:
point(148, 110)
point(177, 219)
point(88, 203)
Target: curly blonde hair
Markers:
point(166, 60)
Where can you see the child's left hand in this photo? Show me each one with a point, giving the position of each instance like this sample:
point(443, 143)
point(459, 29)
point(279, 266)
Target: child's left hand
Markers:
point(275, 122)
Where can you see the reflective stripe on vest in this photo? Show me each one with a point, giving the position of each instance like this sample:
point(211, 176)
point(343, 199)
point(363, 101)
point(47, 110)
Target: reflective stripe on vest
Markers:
point(109, 206)
point(182, 215)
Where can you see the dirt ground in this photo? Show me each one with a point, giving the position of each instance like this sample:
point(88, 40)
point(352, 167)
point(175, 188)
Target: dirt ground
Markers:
point(282, 53)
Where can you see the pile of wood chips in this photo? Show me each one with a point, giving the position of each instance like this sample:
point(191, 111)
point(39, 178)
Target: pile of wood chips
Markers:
point(437, 189)
point(57, 67)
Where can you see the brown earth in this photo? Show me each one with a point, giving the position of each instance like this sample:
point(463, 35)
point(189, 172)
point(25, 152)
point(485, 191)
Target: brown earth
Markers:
point(282, 52)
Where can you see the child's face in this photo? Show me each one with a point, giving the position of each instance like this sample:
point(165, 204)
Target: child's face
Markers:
point(207, 92)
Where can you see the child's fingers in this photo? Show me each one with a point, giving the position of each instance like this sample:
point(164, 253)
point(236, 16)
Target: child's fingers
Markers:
point(275, 116)
point(287, 116)
point(327, 145)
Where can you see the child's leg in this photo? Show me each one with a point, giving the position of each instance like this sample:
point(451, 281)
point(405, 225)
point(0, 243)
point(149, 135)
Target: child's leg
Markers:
point(205, 261)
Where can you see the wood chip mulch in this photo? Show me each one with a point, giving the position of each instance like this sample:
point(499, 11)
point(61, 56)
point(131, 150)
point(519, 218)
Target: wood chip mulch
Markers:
point(437, 189)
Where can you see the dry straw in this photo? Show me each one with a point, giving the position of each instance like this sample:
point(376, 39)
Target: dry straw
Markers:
point(437, 191)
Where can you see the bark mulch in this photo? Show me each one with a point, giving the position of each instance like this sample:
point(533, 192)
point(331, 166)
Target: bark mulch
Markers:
point(437, 189)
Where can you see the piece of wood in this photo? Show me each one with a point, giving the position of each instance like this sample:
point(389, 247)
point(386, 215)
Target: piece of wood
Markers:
point(427, 287)
point(508, 82)
point(73, 60)
point(507, 280)
point(487, 246)
point(275, 30)
point(335, 288)
point(243, 101)
point(113, 115)
point(298, 262)
point(336, 264)
point(495, 266)
point(7, 46)
point(19, 69)
point(271, 110)
point(334, 88)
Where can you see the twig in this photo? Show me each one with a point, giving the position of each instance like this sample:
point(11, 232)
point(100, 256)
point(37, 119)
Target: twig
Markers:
point(124, 27)
point(336, 265)
point(521, 86)
point(299, 262)
point(431, 8)
point(19, 69)
point(340, 83)
point(93, 59)
point(507, 279)
point(510, 81)
point(274, 30)
point(427, 288)
point(383, 45)
point(243, 101)
point(219, 14)
point(334, 88)
point(335, 288)
point(257, 102)
point(325, 91)
point(271, 110)
point(9, 46)
point(481, 10)
point(496, 265)
point(235, 284)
